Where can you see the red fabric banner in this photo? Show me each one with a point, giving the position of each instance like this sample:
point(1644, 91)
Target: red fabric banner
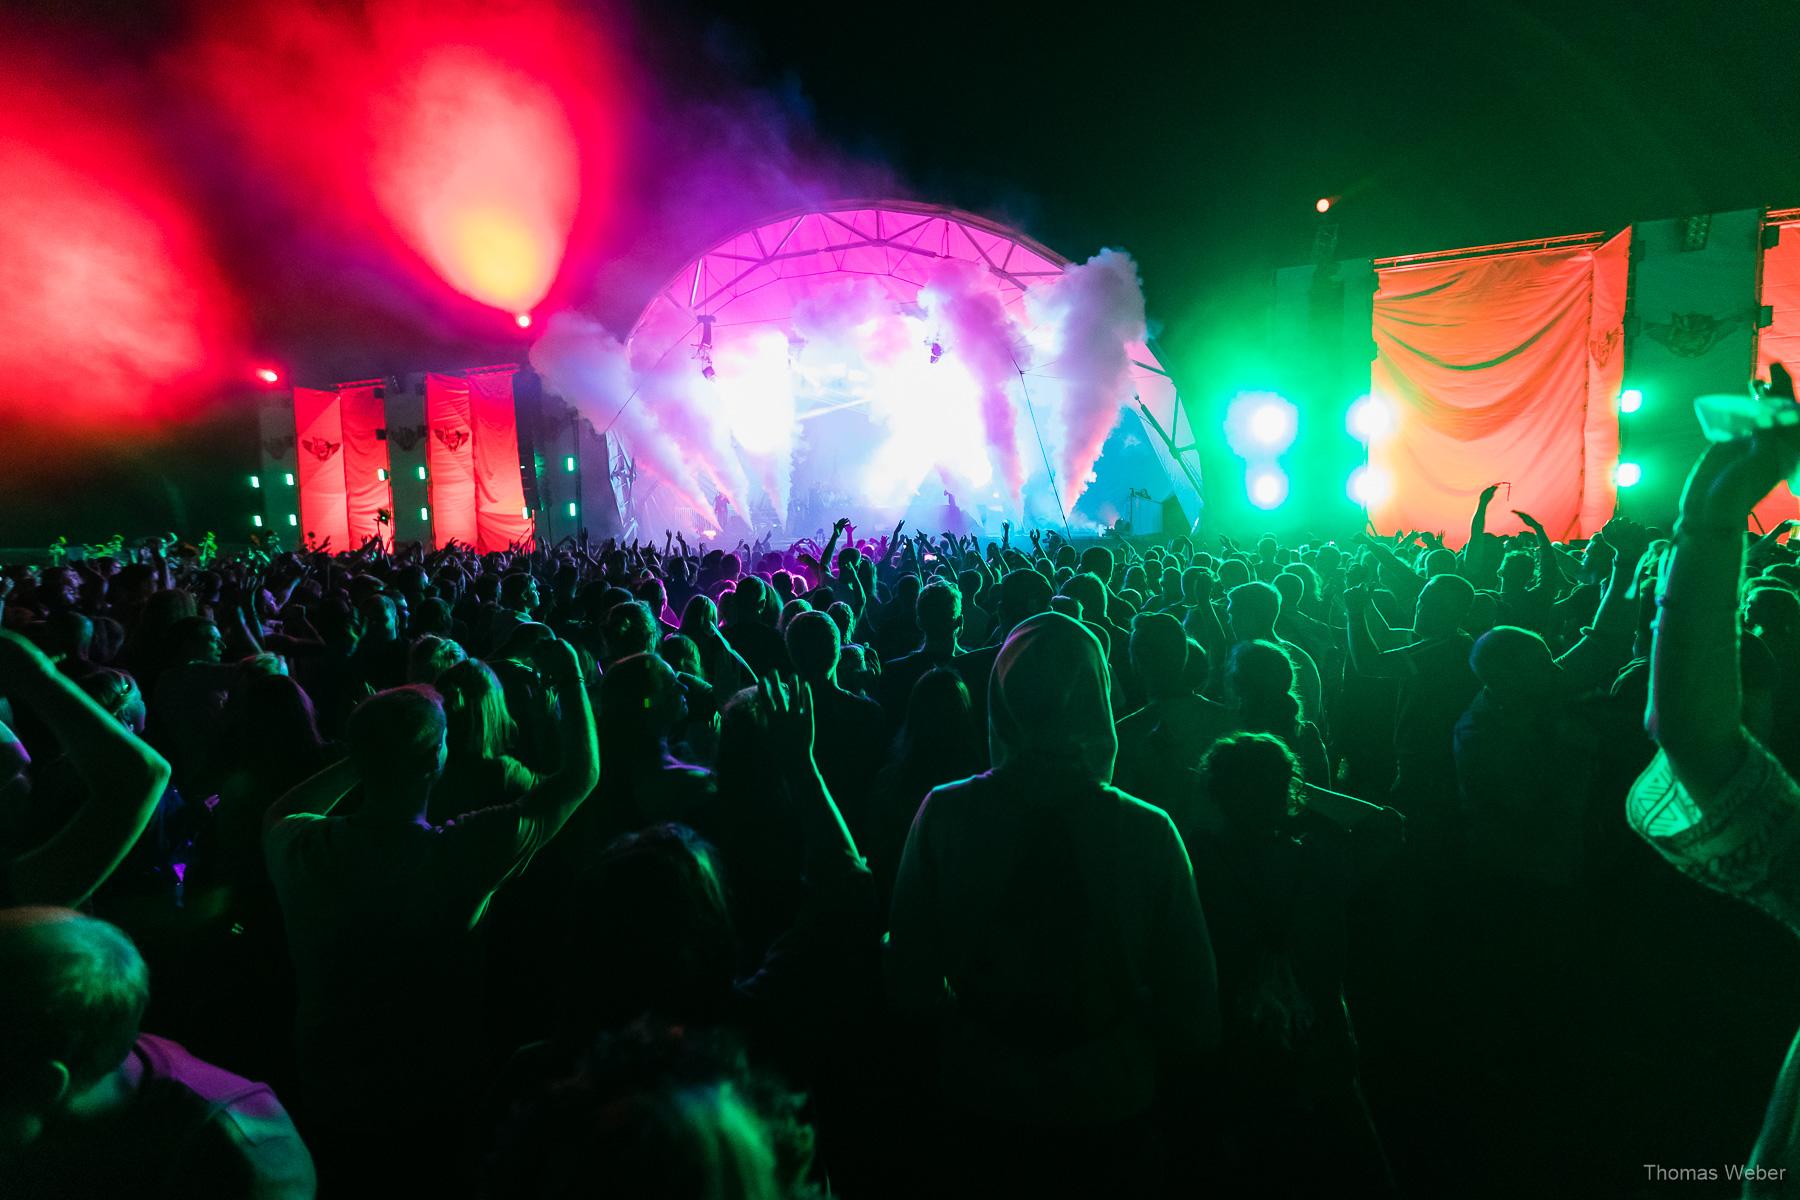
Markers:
point(450, 460)
point(319, 446)
point(499, 492)
point(366, 487)
point(1504, 370)
point(1780, 342)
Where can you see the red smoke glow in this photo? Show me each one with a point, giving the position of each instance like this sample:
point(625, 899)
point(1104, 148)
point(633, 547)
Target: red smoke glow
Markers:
point(114, 310)
point(481, 137)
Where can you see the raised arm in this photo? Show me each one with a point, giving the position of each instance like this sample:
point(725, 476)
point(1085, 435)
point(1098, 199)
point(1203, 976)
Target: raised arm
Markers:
point(1365, 657)
point(1550, 572)
point(123, 778)
point(1695, 693)
point(316, 795)
point(578, 770)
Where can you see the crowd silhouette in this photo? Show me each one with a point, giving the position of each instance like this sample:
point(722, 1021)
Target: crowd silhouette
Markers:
point(907, 865)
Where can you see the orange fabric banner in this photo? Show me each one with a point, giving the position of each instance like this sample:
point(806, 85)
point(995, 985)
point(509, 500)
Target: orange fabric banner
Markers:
point(366, 488)
point(1503, 370)
point(1780, 342)
point(499, 491)
point(319, 447)
point(450, 460)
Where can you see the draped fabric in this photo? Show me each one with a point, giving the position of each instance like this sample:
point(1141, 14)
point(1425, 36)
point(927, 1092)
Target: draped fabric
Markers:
point(319, 447)
point(1500, 370)
point(366, 489)
point(499, 492)
point(450, 460)
point(1780, 342)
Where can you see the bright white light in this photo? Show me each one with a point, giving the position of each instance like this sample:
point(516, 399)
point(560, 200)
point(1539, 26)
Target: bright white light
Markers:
point(1368, 486)
point(1260, 424)
point(1369, 419)
point(1268, 486)
point(1630, 400)
point(523, 320)
point(1627, 474)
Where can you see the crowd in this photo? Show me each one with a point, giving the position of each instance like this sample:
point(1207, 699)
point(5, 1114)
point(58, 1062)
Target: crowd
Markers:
point(896, 865)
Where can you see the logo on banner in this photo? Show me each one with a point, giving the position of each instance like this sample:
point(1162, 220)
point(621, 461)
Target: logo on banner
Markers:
point(1689, 335)
point(453, 438)
point(319, 448)
point(406, 436)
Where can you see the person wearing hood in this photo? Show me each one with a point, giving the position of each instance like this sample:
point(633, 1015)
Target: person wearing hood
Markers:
point(1049, 925)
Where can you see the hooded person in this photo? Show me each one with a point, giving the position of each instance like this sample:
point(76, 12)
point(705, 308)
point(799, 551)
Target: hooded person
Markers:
point(1050, 924)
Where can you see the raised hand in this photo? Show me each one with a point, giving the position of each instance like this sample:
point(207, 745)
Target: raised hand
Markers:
point(1530, 522)
point(788, 702)
point(1627, 538)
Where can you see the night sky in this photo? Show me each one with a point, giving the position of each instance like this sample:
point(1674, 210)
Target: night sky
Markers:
point(1197, 140)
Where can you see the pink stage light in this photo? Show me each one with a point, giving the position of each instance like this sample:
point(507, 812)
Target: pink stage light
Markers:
point(523, 320)
point(268, 374)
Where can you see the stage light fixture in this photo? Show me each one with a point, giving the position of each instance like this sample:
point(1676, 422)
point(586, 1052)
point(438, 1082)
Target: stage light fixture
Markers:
point(1268, 487)
point(1323, 204)
point(422, 473)
point(1261, 424)
point(1628, 474)
point(293, 518)
point(523, 320)
point(381, 474)
point(1630, 400)
point(569, 464)
point(1368, 486)
point(268, 374)
point(1368, 419)
point(256, 481)
point(289, 478)
point(424, 513)
point(256, 520)
point(571, 508)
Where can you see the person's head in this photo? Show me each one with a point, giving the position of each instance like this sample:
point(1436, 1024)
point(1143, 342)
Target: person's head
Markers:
point(1050, 703)
point(1233, 572)
point(1443, 603)
point(1023, 593)
point(792, 609)
point(641, 701)
point(58, 590)
point(1193, 585)
point(651, 931)
point(1254, 779)
point(430, 656)
point(67, 634)
point(519, 592)
point(680, 652)
point(754, 603)
point(700, 620)
point(1772, 612)
point(813, 645)
point(116, 692)
point(1267, 548)
point(1440, 561)
point(1169, 584)
point(630, 628)
point(477, 723)
point(1515, 665)
point(1290, 587)
point(75, 991)
point(652, 594)
point(1092, 595)
point(940, 721)
point(1159, 651)
point(1253, 609)
point(844, 617)
point(939, 611)
point(196, 639)
point(397, 741)
point(1259, 682)
point(380, 618)
point(1517, 570)
point(1097, 561)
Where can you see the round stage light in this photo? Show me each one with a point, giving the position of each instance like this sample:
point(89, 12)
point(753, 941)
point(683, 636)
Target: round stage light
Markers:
point(1368, 486)
point(1628, 474)
point(1323, 205)
point(523, 320)
point(1630, 400)
point(268, 374)
point(1369, 418)
point(1268, 487)
point(1261, 424)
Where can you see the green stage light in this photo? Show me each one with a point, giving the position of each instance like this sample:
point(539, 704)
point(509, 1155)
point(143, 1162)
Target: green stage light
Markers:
point(1369, 418)
point(424, 513)
point(1261, 424)
point(421, 472)
point(381, 474)
point(571, 508)
point(293, 519)
point(289, 478)
point(1368, 486)
point(256, 481)
point(1630, 400)
point(1627, 474)
point(256, 520)
point(569, 463)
